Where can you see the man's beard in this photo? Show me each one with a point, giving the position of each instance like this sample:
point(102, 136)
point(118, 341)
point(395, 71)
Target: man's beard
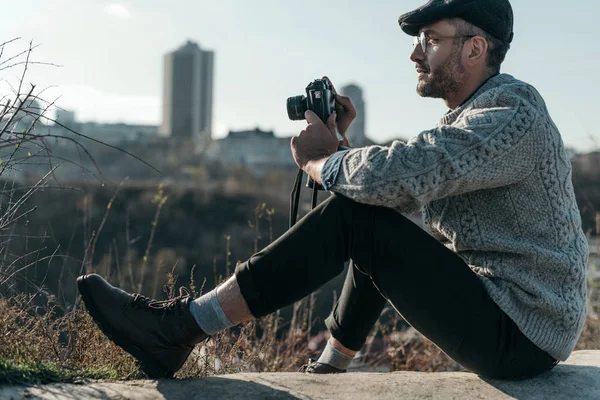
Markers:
point(445, 80)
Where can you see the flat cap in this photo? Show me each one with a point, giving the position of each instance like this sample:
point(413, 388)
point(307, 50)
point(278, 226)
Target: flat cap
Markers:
point(493, 16)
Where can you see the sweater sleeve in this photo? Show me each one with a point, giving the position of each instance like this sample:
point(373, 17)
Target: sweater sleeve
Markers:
point(495, 142)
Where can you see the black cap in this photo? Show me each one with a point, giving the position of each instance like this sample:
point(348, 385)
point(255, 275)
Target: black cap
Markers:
point(493, 16)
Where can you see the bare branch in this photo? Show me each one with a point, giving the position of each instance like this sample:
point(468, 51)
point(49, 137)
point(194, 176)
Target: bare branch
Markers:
point(19, 54)
point(9, 41)
point(22, 268)
point(25, 70)
point(7, 217)
point(5, 43)
point(30, 63)
point(13, 116)
point(108, 207)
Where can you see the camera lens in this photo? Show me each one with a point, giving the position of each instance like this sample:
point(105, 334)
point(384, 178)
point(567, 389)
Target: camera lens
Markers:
point(296, 107)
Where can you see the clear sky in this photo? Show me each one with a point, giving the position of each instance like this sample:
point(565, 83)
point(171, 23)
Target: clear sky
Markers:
point(111, 52)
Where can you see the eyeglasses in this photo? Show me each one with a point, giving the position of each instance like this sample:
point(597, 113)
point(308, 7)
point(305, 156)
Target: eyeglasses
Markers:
point(423, 39)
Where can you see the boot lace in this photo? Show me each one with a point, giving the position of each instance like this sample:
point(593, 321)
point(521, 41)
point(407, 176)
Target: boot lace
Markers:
point(315, 367)
point(169, 306)
point(308, 367)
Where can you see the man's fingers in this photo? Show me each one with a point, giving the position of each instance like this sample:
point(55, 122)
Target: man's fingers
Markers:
point(346, 104)
point(343, 100)
point(314, 119)
point(330, 84)
point(311, 117)
point(331, 122)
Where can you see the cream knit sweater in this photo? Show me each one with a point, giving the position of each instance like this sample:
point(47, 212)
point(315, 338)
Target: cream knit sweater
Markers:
point(493, 182)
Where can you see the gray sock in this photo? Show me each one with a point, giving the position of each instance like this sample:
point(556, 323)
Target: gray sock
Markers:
point(208, 313)
point(335, 358)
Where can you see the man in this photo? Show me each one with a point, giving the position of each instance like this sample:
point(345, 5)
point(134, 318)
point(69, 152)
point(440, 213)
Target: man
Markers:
point(498, 284)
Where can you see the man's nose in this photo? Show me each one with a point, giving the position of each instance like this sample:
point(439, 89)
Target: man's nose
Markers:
point(417, 54)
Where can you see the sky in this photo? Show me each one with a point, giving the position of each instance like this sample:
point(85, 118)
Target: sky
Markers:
point(110, 57)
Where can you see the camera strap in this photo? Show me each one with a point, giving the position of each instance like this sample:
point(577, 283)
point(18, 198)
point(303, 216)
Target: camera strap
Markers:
point(295, 197)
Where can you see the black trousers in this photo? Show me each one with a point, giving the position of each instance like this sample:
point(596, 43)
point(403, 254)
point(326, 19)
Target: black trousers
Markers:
point(393, 260)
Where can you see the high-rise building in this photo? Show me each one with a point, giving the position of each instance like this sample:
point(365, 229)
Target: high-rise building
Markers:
point(65, 118)
point(188, 93)
point(356, 132)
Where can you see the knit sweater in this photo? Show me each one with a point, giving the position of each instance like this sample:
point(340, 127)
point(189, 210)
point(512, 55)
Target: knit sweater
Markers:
point(493, 183)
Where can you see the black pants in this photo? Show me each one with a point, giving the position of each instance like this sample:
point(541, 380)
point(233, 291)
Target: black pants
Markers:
point(393, 260)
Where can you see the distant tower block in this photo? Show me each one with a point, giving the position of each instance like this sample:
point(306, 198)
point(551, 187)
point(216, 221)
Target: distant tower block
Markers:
point(188, 93)
point(66, 118)
point(356, 132)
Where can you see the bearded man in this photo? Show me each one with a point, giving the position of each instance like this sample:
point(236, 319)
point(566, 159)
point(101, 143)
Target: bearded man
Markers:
point(497, 282)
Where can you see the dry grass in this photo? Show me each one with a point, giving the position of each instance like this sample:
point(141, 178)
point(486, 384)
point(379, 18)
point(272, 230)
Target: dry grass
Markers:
point(70, 342)
point(66, 342)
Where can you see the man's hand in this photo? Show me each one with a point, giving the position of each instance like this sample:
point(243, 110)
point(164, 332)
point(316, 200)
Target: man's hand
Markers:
point(345, 112)
point(314, 144)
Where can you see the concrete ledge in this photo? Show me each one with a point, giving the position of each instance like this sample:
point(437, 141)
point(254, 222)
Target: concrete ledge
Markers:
point(577, 378)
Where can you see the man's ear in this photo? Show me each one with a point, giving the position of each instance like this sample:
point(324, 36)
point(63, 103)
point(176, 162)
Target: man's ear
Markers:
point(476, 50)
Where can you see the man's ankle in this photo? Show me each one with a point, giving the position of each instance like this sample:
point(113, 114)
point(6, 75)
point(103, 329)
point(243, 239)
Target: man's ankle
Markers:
point(335, 357)
point(208, 313)
point(340, 347)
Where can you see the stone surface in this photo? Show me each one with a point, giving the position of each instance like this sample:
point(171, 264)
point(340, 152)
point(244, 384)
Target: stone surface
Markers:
point(577, 378)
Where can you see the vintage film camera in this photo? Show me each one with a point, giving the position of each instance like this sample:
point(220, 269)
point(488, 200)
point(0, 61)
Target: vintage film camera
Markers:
point(320, 99)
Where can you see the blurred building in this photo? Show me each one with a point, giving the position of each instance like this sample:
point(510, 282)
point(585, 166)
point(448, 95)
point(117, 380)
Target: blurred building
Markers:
point(65, 118)
point(356, 132)
point(111, 133)
point(28, 115)
point(118, 133)
point(257, 150)
point(188, 93)
point(586, 163)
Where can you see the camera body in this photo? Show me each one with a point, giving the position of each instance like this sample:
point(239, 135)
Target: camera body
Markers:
point(319, 99)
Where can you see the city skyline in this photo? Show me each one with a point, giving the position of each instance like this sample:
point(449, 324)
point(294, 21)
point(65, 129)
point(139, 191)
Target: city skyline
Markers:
point(111, 52)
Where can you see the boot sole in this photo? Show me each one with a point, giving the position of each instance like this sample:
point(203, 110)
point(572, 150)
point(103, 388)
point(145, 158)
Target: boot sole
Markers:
point(147, 364)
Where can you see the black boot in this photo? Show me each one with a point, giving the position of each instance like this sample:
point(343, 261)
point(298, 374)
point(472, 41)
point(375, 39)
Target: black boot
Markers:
point(159, 334)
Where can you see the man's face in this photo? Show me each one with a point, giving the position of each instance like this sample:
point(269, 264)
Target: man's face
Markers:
point(440, 68)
